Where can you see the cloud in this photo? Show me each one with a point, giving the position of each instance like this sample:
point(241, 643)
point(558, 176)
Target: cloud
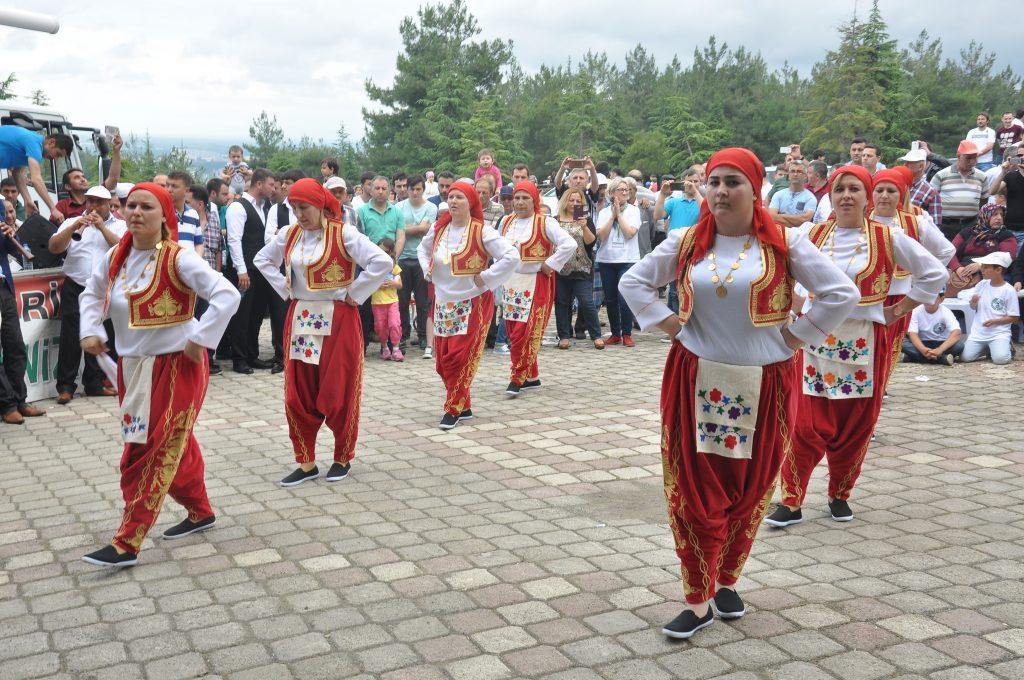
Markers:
point(202, 69)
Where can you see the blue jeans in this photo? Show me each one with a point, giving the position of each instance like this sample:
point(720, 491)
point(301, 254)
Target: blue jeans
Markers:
point(914, 356)
point(582, 290)
point(502, 336)
point(999, 349)
point(620, 318)
point(673, 297)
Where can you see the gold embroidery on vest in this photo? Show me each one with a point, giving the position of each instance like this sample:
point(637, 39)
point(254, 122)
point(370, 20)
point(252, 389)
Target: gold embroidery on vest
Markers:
point(164, 305)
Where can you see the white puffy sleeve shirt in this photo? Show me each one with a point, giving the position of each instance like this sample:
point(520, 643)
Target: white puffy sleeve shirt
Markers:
point(933, 240)
point(719, 328)
point(451, 288)
point(375, 264)
point(522, 228)
point(193, 271)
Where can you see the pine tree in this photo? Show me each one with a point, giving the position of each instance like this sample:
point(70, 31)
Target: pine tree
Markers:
point(39, 98)
point(267, 137)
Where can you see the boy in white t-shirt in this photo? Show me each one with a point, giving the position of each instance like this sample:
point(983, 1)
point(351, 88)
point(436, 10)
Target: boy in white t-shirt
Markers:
point(933, 335)
point(995, 305)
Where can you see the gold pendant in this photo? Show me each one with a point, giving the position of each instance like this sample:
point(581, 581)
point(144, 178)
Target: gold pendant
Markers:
point(721, 291)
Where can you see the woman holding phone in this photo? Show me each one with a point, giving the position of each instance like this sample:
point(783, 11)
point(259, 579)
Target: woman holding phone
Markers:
point(575, 281)
point(617, 227)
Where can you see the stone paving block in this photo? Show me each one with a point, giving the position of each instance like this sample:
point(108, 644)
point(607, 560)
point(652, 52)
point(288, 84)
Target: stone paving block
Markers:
point(479, 668)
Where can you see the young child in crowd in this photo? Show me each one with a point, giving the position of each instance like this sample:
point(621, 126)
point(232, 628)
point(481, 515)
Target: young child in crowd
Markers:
point(386, 321)
point(995, 305)
point(236, 172)
point(933, 335)
point(487, 167)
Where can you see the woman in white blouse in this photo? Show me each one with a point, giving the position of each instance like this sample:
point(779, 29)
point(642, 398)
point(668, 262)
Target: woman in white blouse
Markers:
point(148, 286)
point(323, 335)
point(843, 378)
point(454, 256)
point(617, 229)
point(728, 389)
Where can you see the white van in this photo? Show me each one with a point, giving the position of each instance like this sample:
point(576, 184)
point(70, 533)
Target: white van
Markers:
point(90, 154)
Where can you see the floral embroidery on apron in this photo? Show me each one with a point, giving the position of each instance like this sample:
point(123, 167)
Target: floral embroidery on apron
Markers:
point(137, 375)
point(843, 366)
point(452, 318)
point(726, 399)
point(312, 320)
point(517, 296)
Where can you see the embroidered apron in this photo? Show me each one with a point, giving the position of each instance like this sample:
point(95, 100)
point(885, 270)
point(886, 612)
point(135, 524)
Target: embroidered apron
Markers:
point(517, 296)
point(312, 320)
point(137, 376)
point(452, 318)
point(725, 403)
point(843, 366)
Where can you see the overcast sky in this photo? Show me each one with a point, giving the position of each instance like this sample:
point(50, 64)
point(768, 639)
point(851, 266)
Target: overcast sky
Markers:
point(194, 69)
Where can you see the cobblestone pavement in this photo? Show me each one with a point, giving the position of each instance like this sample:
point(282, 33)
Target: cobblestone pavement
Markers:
point(531, 542)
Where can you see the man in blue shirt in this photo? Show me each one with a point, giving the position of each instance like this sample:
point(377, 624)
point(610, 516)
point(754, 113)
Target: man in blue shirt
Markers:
point(21, 148)
point(794, 205)
point(681, 211)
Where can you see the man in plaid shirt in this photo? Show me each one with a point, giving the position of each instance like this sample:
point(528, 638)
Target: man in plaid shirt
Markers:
point(217, 190)
point(923, 194)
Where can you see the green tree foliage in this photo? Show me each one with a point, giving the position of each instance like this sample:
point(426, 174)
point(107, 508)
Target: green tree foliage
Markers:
point(140, 163)
point(39, 98)
point(7, 87)
point(267, 138)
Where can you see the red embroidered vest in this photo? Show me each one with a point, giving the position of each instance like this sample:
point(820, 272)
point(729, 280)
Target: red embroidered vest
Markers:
point(538, 247)
point(166, 301)
point(334, 269)
point(911, 228)
point(872, 281)
point(771, 295)
point(472, 259)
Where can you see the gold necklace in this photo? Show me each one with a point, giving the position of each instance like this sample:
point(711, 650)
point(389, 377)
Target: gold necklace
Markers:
point(124, 276)
point(862, 241)
point(308, 261)
point(722, 291)
point(447, 256)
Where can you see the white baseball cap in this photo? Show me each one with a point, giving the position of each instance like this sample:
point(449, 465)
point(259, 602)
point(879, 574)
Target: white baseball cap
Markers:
point(98, 191)
point(335, 183)
point(602, 180)
point(915, 155)
point(123, 188)
point(1000, 257)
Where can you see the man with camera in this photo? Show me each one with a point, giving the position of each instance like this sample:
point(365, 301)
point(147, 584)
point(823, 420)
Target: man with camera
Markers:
point(1012, 178)
point(86, 240)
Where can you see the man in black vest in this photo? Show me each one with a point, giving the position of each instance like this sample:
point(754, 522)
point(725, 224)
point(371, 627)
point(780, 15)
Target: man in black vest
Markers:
point(280, 217)
point(246, 227)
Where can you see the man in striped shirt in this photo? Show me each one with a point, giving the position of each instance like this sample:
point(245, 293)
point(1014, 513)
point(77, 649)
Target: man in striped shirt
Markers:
point(962, 190)
point(190, 232)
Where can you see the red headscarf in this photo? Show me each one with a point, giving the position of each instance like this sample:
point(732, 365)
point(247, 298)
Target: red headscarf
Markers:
point(893, 176)
point(124, 246)
point(310, 191)
point(764, 226)
point(908, 178)
point(530, 188)
point(476, 211)
point(857, 171)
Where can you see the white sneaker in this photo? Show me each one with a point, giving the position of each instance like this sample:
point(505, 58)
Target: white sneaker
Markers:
point(428, 353)
point(502, 349)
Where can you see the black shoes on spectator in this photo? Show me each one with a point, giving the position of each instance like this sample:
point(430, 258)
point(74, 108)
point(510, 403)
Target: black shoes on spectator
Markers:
point(466, 415)
point(840, 510)
point(298, 476)
point(783, 517)
point(686, 624)
point(337, 472)
point(276, 368)
point(448, 421)
point(531, 384)
point(187, 526)
point(215, 368)
point(260, 364)
point(728, 605)
point(512, 390)
point(239, 366)
point(109, 557)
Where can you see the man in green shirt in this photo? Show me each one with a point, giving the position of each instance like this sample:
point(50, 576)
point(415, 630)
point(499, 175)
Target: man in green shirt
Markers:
point(379, 218)
point(9, 190)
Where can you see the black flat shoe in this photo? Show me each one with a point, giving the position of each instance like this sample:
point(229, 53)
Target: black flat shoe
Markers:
point(298, 476)
point(337, 472)
point(512, 390)
point(466, 415)
point(260, 364)
point(686, 624)
point(840, 510)
point(448, 421)
point(728, 605)
point(783, 517)
point(531, 384)
point(241, 367)
point(109, 557)
point(276, 368)
point(215, 369)
point(187, 526)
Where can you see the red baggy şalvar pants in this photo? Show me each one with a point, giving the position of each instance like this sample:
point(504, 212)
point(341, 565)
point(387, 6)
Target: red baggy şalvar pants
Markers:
point(837, 429)
point(458, 356)
point(328, 392)
point(170, 461)
point(716, 504)
point(524, 337)
point(897, 332)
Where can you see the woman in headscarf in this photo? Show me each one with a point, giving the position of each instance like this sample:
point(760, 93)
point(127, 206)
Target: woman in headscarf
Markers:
point(843, 377)
point(891, 206)
point(323, 336)
point(727, 396)
point(148, 286)
point(454, 255)
point(986, 237)
point(528, 296)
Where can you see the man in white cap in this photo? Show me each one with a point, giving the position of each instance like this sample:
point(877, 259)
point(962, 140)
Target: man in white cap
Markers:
point(121, 192)
point(962, 190)
point(921, 192)
point(85, 240)
point(338, 187)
